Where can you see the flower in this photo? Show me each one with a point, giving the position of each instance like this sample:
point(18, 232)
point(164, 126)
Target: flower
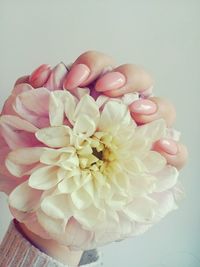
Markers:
point(79, 165)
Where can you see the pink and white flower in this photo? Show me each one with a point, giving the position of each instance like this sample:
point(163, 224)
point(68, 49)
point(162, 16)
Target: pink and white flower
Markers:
point(78, 169)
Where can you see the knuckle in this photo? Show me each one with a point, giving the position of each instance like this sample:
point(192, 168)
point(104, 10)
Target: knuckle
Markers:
point(95, 58)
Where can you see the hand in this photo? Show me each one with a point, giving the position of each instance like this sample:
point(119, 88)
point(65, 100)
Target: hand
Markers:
point(96, 67)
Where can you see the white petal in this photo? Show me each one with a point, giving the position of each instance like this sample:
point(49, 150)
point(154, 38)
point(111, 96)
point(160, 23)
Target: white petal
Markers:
point(140, 145)
point(84, 125)
point(141, 209)
point(76, 237)
point(113, 116)
point(110, 232)
point(166, 204)
point(87, 106)
point(56, 78)
point(142, 184)
point(89, 217)
point(81, 199)
point(121, 181)
point(44, 178)
point(166, 178)
point(153, 131)
point(61, 102)
point(53, 226)
point(154, 162)
point(117, 202)
point(125, 225)
point(79, 92)
point(54, 136)
point(129, 98)
point(133, 165)
point(139, 228)
point(173, 134)
point(57, 206)
point(20, 161)
point(67, 185)
point(178, 192)
point(89, 188)
point(24, 198)
point(65, 157)
point(56, 109)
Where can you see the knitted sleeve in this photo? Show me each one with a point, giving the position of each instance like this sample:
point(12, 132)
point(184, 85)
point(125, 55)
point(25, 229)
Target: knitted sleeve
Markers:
point(15, 250)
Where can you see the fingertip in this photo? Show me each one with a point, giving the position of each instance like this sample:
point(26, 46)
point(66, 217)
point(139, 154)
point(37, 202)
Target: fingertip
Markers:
point(76, 76)
point(178, 159)
point(110, 81)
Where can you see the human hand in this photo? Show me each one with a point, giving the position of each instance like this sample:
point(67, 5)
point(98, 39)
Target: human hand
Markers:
point(98, 68)
point(121, 80)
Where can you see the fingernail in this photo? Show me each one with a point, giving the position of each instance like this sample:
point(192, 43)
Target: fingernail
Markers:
point(78, 74)
point(40, 76)
point(168, 145)
point(143, 106)
point(110, 81)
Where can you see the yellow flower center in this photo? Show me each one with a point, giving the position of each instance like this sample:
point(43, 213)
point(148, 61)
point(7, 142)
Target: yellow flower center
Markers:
point(98, 152)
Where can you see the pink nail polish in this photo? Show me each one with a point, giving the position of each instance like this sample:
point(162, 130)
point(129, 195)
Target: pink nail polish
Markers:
point(78, 74)
point(110, 81)
point(40, 76)
point(168, 145)
point(143, 106)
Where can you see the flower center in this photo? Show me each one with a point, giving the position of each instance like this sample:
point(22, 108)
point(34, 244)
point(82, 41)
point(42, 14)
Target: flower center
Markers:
point(97, 152)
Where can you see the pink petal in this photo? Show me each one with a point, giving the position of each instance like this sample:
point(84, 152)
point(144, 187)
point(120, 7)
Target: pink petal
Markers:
point(166, 178)
point(141, 209)
point(25, 198)
point(34, 106)
point(17, 132)
point(8, 105)
point(23, 160)
point(31, 222)
point(8, 184)
point(56, 78)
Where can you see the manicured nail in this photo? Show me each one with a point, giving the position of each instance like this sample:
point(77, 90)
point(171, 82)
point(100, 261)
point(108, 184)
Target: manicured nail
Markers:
point(143, 106)
point(40, 76)
point(168, 145)
point(110, 81)
point(78, 74)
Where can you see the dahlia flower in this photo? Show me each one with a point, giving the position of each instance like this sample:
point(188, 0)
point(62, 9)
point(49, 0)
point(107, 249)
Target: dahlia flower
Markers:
point(77, 168)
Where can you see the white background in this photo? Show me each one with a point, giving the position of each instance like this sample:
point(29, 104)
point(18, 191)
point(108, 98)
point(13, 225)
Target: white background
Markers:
point(163, 36)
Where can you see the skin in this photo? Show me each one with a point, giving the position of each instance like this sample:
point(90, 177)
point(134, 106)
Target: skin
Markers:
point(137, 80)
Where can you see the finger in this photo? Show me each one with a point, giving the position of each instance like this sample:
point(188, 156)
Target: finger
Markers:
point(87, 68)
point(175, 153)
point(124, 79)
point(153, 108)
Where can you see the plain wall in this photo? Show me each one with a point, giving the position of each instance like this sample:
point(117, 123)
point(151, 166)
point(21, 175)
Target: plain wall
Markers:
point(163, 36)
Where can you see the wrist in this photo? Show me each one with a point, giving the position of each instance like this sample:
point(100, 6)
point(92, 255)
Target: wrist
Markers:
point(50, 247)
